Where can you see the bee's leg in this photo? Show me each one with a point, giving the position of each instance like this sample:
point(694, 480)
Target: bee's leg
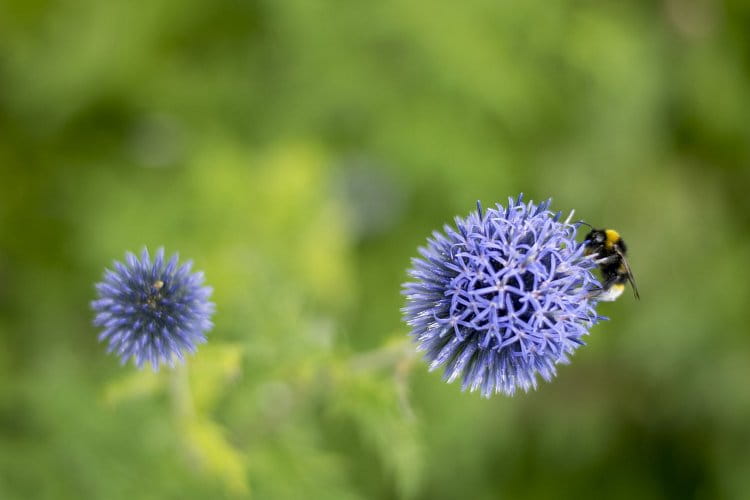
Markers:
point(611, 280)
point(596, 291)
point(604, 261)
point(611, 289)
point(606, 285)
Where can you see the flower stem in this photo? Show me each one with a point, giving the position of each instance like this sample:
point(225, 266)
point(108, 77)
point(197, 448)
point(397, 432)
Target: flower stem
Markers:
point(398, 356)
point(383, 357)
point(179, 389)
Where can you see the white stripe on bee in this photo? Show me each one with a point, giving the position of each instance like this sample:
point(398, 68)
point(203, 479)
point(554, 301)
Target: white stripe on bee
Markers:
point(612, 293)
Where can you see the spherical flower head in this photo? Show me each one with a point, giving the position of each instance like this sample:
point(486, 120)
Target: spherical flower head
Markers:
point(152, 310)
point(502, 297)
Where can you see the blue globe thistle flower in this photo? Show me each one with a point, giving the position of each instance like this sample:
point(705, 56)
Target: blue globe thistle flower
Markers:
point(502, 297)
point(152, 311)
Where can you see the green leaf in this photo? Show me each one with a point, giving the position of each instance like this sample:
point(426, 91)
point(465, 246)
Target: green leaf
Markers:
point(374, 405)
point(211, 370)
point(208, 446)
point(136, 384)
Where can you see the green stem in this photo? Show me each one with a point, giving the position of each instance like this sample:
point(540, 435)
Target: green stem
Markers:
point(182, 397)
point(382, 357)
point(400, 357)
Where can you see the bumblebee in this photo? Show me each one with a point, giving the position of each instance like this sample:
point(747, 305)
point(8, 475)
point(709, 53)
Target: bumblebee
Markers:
point(610, 250)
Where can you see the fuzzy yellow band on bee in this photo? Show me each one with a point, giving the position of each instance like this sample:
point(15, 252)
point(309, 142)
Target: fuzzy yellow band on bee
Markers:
point(612, 237)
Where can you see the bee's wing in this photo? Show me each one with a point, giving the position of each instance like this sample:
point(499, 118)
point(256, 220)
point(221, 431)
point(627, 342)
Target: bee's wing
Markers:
point(631, 279)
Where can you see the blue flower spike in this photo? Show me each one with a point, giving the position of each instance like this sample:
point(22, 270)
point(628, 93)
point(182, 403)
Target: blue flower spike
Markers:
point(152, 311)
point(504, 295)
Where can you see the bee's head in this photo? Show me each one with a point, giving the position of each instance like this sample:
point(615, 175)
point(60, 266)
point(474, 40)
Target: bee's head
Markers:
point(596, 237)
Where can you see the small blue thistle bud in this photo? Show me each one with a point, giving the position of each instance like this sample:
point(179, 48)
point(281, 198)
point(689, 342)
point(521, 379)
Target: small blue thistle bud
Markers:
point(152, 311)
point(504, 295)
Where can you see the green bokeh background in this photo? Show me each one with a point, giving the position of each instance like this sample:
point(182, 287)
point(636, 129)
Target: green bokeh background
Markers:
point(299, 152)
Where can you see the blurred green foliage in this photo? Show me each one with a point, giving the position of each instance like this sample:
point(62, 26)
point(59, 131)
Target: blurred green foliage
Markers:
point(299, 152)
